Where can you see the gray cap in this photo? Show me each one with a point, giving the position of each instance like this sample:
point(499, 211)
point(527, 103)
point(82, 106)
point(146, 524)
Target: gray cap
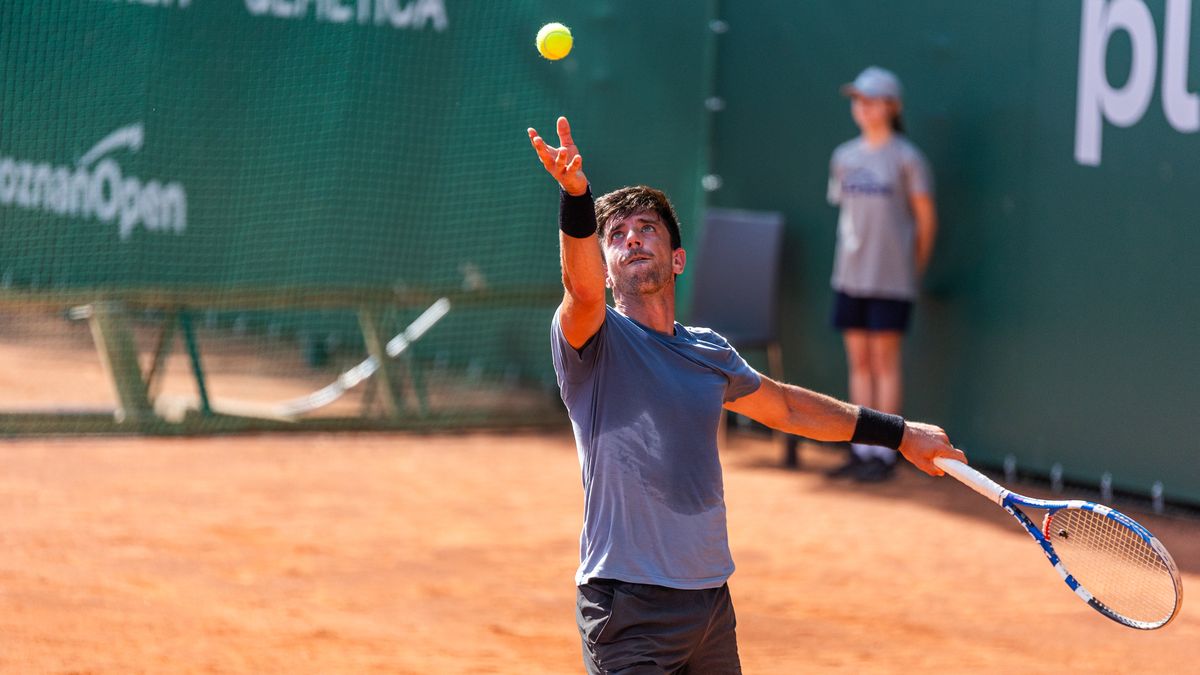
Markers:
point(874, 82)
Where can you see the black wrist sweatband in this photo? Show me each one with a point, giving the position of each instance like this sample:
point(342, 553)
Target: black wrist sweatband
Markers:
point(878, 428)
point(576, 215)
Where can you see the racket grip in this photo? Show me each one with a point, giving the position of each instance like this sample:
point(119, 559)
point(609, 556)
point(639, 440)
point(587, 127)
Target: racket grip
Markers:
point(972, 479)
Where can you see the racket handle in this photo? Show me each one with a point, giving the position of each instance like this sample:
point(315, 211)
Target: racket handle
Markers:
point(972, 479)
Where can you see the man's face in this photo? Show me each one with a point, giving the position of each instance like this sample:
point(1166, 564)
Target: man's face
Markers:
point(638, 255)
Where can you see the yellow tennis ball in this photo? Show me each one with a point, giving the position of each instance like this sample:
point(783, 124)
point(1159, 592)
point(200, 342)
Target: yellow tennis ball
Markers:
point(554, 41)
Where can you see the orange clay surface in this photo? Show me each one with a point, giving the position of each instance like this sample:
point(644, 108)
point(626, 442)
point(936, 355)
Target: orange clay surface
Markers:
point(371, 553)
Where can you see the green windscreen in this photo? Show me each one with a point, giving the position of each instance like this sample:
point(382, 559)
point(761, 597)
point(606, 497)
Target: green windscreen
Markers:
point(1056, 323)
point(268, 181)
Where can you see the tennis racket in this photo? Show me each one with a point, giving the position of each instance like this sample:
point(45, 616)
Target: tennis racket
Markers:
point(1109, 560)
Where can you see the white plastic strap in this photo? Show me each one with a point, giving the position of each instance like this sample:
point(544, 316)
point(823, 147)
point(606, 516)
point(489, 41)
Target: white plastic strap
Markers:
point(349, 379)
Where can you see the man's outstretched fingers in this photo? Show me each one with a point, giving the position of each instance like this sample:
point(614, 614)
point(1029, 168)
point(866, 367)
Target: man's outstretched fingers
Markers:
point(564, 132)
point(544, 153)
point(563, 163)
point(536, 141)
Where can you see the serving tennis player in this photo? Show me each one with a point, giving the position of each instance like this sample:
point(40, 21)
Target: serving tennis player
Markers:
point(645, 395)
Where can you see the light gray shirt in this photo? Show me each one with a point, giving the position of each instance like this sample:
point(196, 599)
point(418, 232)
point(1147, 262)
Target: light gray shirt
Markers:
point(876, 241)
point(644, 408)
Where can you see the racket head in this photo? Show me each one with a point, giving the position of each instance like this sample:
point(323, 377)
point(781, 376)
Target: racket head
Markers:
point(1124, 571)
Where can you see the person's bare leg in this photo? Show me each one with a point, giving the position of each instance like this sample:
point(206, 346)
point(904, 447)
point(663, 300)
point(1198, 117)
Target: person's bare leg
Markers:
point(862, 384)
point(887, 377)
point(887, 372)
point(858, 362)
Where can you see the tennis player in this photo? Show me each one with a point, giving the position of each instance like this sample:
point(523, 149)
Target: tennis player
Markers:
point(644, 395)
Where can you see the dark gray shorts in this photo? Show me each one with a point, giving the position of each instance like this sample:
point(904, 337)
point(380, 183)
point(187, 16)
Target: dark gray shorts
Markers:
point(631, 629)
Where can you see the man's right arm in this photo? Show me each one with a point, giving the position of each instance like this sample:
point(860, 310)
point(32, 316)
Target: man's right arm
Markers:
point(582, 310)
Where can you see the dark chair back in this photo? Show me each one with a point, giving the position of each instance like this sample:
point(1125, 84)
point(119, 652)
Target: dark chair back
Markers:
point(736, 282)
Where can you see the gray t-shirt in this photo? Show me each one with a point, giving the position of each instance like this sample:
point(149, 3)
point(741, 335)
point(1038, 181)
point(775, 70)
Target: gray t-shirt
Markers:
point(644, 408)
point(876, 242)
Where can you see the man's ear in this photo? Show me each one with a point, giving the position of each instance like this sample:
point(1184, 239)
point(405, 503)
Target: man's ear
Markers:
point(608, 282)
point(678, 260)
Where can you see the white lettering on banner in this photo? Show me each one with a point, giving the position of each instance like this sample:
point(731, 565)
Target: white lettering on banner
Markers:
point(1097, 100)
point(1182, 108)
point(103, 192)
point(415, 14)
point(183, 4)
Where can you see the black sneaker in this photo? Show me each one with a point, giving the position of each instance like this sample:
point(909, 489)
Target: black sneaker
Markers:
point(846, 470)
point(874, 470)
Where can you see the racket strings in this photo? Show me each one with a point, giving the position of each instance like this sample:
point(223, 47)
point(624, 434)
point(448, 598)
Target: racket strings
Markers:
point(1114, 564)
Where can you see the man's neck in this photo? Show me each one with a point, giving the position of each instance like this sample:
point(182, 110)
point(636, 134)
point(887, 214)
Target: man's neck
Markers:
point(656, 311)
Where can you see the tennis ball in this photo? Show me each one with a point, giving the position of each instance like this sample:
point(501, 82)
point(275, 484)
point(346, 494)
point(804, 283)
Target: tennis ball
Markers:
point(554, 41)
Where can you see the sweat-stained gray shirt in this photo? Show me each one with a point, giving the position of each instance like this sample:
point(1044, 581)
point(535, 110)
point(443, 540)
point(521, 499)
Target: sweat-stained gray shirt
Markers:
point(876, 241)
point(644, 408)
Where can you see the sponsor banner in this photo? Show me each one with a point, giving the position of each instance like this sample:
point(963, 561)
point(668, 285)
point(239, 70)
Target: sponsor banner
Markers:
point(401, 14)
point(97, 188)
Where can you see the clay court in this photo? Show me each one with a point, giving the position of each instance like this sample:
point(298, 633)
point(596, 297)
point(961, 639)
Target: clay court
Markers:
point(270, 268)
point(376, 553)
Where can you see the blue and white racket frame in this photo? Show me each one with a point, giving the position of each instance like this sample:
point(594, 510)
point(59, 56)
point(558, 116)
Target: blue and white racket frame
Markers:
point(1010, 501)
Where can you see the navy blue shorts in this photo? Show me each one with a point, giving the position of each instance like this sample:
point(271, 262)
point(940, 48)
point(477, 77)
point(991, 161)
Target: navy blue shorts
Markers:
point(879, 314)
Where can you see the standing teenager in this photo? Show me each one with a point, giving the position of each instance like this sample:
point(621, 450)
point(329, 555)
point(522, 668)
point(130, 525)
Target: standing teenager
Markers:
point(886, 228)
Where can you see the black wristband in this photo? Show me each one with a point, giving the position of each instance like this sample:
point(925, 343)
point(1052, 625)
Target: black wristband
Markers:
point(878, 428)
point(576, 215)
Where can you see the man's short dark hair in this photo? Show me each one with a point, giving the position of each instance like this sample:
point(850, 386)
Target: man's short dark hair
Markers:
point(632, 200)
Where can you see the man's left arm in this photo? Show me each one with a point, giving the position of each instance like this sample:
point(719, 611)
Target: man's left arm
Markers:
point(801, 412)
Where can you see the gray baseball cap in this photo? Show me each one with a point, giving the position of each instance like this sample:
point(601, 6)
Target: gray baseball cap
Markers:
point(874, 82)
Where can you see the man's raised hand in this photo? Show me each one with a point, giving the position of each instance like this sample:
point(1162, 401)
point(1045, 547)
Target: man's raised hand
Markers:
point(565, 163)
